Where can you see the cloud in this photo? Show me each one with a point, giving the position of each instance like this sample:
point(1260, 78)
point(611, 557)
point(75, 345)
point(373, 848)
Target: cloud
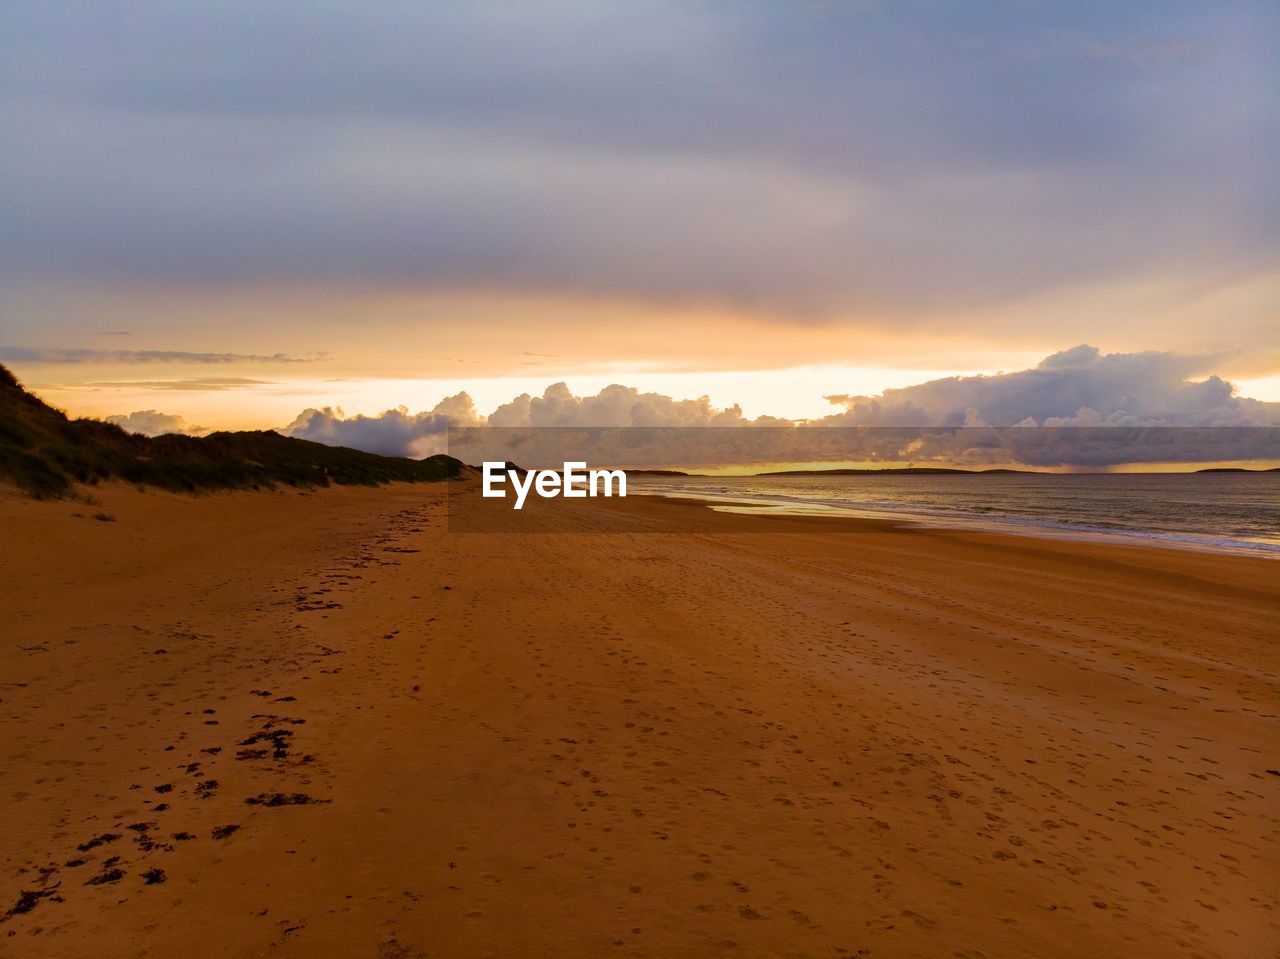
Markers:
point(20, 354)
point(155, 423)
point(798, 159)
point(401, 433)
point(1085, 394)
point(198, 385)
point(184, 386)
point(613, 406)
point(1077, 387)
point(393, 433)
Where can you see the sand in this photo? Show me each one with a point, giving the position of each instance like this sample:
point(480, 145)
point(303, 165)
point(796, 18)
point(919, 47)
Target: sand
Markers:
point(299, 725)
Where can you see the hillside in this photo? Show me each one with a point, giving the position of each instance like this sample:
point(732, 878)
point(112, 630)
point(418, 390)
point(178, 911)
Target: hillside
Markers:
point(45, 453)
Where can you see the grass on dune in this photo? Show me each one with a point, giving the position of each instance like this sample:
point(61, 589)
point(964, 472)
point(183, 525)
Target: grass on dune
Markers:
point(46, 454)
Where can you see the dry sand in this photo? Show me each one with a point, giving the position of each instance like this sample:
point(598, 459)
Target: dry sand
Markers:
point(776, 743)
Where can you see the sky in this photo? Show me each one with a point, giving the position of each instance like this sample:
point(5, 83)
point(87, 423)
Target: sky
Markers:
point(224, 215)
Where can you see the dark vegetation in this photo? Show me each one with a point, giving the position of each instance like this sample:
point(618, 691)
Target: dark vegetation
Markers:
point(46, 454)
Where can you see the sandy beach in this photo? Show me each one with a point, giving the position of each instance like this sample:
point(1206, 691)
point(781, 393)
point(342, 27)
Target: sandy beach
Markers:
point(317, 724)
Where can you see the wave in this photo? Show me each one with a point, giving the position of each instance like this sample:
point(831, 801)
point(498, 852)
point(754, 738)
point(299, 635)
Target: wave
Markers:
point(1138, 509)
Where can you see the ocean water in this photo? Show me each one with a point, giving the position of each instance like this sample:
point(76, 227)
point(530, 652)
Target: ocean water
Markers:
point(1232, 512)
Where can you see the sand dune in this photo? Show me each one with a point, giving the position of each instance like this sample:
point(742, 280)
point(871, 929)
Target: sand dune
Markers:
point(318, 725)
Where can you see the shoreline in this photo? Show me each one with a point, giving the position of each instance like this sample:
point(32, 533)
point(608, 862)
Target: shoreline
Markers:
point(758, 506)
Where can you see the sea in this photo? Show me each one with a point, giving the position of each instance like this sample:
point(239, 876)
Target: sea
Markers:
point(1220, 512)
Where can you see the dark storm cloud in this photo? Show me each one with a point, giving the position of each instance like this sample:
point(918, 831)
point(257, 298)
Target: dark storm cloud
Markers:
point(802, 157)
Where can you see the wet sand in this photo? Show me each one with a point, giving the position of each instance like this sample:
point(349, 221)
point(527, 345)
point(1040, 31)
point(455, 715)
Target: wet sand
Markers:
point(285, 724)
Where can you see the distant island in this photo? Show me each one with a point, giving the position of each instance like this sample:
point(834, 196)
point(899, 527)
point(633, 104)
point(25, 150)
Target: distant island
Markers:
point(903, 471)
point(1237, 469)
point(918, 471)
point(886, 471)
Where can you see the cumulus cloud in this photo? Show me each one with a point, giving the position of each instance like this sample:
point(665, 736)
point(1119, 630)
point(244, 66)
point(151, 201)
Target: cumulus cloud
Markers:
point(953, 420)
point(393, 433)
point(155, 423)
point(1077, 387)
point(615, 406)
point(398, 432)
